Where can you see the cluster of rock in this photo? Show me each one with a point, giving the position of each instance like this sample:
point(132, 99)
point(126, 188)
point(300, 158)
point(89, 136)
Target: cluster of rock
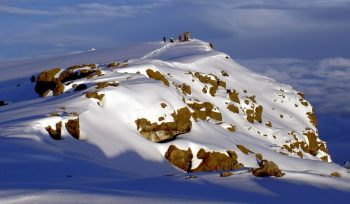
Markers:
point(72, 126)
point(217, 161)
point(54, 79)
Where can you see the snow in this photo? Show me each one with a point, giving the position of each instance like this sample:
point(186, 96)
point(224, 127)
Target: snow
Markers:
point(112, 162)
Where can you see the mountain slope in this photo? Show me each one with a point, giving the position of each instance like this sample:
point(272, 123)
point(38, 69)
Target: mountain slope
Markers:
point(115, 122)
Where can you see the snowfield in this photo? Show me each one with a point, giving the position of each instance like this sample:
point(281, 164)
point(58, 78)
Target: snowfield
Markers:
point(129, 111)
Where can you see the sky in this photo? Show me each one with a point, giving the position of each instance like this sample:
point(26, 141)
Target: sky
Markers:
point(312, 29)
point(302, 43)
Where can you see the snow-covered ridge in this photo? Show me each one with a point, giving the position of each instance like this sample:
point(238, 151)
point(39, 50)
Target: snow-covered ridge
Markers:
point(132, 104)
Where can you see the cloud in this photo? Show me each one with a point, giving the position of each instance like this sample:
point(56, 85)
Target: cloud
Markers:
point(89, 9)
point(22, 11)
point(325, 82)
point(98, 9)
point(335, 62)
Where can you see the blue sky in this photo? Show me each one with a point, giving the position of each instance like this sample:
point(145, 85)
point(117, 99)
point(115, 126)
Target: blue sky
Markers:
point(312, 29)
point(304, 43)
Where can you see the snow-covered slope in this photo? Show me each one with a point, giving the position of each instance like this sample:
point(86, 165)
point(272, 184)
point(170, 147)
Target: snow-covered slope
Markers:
point(122, 110)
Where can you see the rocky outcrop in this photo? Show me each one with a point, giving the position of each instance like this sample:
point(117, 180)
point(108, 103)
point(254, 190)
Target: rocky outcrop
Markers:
point(47, 80)
point(204, 110)
point(166, 131)
point(213, 161)
point(267, 168)
point(211, 79)
point(180, 158)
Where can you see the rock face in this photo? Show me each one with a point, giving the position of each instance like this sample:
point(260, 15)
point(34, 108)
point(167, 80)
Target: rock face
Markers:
point(213, 161)
point(267, 168)
point(180, 158)
point(166, 130)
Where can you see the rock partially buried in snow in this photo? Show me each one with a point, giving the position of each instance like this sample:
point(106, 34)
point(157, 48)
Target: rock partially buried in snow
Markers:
point(166, 130)
point(267, 168)
point(55, 134)
point(213, 161)
point(73, 127)
point(180, 158)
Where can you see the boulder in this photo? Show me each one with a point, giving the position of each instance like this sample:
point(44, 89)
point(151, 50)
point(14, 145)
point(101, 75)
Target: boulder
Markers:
point(180, 158)
point(73, 128)
point(267, 168)
point(214, 161)
point(55, 134)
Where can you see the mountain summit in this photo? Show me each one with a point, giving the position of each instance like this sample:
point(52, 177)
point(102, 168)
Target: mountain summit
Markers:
point(127, 117)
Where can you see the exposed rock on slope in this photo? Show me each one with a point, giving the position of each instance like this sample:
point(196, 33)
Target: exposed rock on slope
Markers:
point(267, 168)
point(180, 158)
point(166, 130)
point(213, 161)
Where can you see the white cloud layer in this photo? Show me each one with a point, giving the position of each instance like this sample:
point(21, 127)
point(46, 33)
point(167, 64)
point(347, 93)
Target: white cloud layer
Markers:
point(22, 11)
point(325, 82)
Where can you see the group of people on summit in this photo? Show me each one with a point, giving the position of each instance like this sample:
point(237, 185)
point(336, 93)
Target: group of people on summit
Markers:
point(184, 37)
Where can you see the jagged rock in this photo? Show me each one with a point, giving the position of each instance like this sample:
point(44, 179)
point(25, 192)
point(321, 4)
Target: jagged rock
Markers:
point(105, 84)
point(95, 95)
point(46, 81)
point(208, 79)
point(186, 89)
point(166, 130)
point(180, 158)
point(55, 134)
point(156, 75)
point(233, 108)
point(233, 95)
point(213, 161)
point(207, 112)
point(73, 128)
point(244, 149)
point(267, 168)
point(59, 89)
point(254, 114)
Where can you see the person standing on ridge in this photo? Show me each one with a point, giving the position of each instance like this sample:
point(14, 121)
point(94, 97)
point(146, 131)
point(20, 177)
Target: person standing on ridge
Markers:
point(180, 38)
point(187, 36)
point(164, 39)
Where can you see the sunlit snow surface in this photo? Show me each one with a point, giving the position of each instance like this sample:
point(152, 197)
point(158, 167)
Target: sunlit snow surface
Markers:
point(114, 163)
